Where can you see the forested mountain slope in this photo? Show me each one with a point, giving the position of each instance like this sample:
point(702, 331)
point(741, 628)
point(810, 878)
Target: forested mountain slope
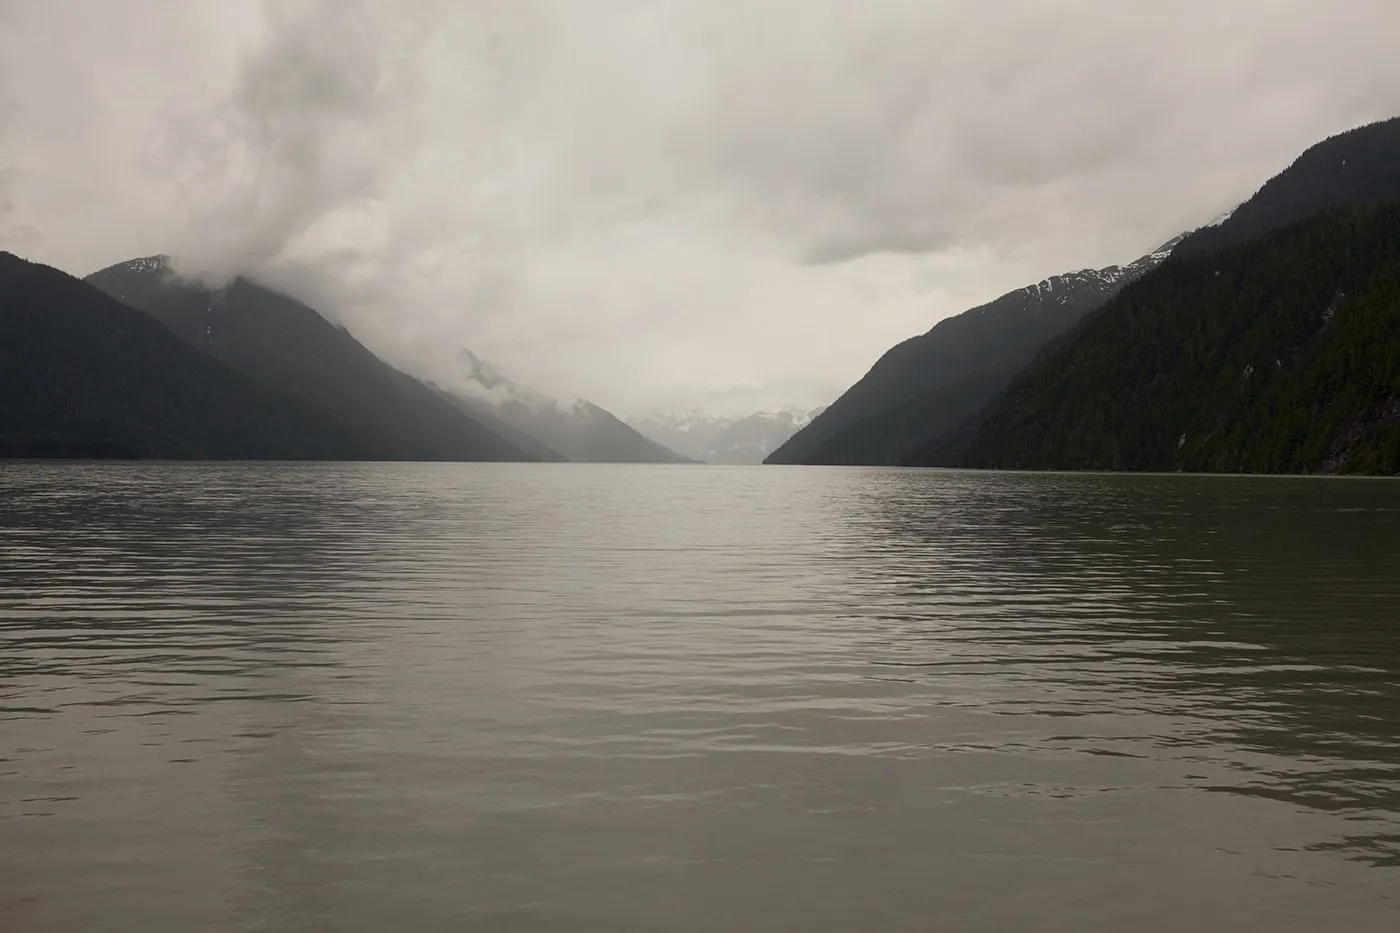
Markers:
point(82, 375)
point(1281, 354)
point(290, 347)
point(924, 397)
point(920, 391)
point(1361, 166)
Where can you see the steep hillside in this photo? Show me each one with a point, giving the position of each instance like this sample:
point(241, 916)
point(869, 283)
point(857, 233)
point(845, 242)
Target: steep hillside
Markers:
point(1361, 166)
point(1281, 354)
point(922, 390)
point(940, 420)
point(585, 433)
point(290, 347)
point(82, 375)
point(926, 395)
point(578, 431)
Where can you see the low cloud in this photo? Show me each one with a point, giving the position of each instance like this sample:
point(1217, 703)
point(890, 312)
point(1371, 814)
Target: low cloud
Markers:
point(660, 205)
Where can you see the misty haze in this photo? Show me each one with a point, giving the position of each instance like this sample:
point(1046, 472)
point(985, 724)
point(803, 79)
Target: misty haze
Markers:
point(796, 465)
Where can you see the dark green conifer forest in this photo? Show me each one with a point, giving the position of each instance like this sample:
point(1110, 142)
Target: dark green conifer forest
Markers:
point(1281, 355)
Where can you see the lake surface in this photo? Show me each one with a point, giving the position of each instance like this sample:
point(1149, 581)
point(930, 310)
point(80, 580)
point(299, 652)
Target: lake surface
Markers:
point(571, 698)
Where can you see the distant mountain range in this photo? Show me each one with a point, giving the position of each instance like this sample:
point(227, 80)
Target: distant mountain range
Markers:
point(687, 433)
point(579, 430)
point(943, 397)
point(289, 346)
point(726, 440)
point(1263, 342)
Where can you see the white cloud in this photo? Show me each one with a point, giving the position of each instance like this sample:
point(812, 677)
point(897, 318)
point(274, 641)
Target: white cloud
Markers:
point(659, 204)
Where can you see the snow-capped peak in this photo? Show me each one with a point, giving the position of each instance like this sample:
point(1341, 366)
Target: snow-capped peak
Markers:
point(157, 263)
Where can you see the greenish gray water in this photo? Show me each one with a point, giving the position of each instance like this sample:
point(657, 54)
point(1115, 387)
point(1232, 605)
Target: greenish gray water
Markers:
point(373, 697)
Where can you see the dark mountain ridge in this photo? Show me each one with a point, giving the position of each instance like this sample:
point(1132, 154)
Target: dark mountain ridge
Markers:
point(925, 398)
point(923, 389)
point(1356, 168)
point(83, 375)
point(1277, 355)
point(288, 346)
point(1360, 166)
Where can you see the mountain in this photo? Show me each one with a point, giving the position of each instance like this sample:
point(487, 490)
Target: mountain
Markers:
point(723, 439)
point(578, 431)
point(82, 375)
point(291, 348)
point(923, 390)
point(688, 433)
point(1361, 166)
point(925, 397)
point(749, 440)
point(1277, 355)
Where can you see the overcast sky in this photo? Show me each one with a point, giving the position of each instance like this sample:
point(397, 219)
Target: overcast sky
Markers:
point(658, 204)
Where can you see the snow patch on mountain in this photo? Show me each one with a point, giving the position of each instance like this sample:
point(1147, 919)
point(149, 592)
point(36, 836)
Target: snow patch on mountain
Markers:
point(722, 438)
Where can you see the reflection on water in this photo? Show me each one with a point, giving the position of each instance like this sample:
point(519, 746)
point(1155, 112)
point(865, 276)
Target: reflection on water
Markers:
point(571, 698)
point(1266, 609)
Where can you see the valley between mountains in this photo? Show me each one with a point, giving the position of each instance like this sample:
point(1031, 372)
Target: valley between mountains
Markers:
point(1268, 341)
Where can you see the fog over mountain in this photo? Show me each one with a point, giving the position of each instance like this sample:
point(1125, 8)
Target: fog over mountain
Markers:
point(725, 439)
point(657, 206)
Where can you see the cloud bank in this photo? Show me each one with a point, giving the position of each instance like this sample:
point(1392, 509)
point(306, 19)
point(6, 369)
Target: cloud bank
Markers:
point(658, 205)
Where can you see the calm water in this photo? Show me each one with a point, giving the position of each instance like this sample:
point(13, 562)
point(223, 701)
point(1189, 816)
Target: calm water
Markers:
point(695, 699)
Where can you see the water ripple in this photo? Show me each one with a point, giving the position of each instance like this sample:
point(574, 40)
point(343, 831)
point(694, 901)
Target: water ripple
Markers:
point(360, 697)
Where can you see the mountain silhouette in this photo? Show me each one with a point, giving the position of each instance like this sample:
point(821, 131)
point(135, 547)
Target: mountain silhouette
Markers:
point(292, 348)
